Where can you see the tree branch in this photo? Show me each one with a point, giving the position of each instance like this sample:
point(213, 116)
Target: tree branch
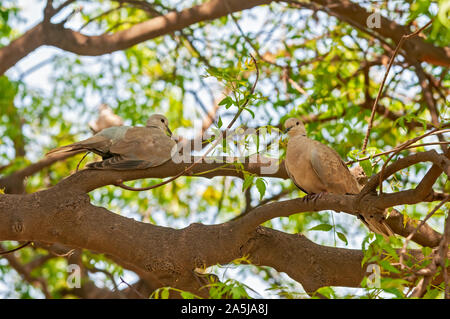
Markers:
point(416, 48)
point(56, 35)
point(68, 218)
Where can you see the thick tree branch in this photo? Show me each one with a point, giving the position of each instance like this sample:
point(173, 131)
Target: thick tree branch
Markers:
point(88, 180)
point(63, 214)
point(68, 218)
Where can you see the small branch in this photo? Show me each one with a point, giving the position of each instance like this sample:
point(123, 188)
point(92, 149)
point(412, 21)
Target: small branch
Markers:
point(405, 244)
point(443, 253)
point(78, 165)
point(106, 273)
point(391, 61)
point(49, 12)
point(402, 147)
point(402, 163)
point(15, 249)
point(394, 150)
point(36, 67)
point(62, 6)
point(132, 288)
point(105, 13)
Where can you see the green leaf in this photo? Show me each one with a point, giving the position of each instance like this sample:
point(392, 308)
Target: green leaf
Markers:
point(342, 237)
point(353, 154)
point(227, 101)
point(432, 294)
point(224, 101)
point(444, 12)
point(186, 295)
point(248, 181)
point(165, 293)
point(426, 251)
point(327, 292)
point(322, 227)
point(387, 266)
point(251, 112)
point(367, 167)
point(261, 186)
point(238, 292)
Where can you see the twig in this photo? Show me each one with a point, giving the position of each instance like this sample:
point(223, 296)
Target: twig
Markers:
point(219, 140)
point(15, 249)
point(106, 273)
point(402, 146)
point(296, 86)
point(99, 16)
point(84, 156)
point(411, 235)
point(67, 254)
point(62, 6)
point(391, 61)
point(393, 150)
point(132, 288)
point(443, 253)
point(37, 67)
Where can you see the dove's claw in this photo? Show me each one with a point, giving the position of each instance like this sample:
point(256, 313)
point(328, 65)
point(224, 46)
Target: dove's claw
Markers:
point(315, 197)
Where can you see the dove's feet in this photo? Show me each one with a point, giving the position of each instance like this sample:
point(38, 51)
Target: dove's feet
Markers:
point(315, 197)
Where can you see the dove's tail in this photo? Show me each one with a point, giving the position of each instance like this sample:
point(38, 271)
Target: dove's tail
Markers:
point(377, 226)
point(97, 144)
point(68, 149)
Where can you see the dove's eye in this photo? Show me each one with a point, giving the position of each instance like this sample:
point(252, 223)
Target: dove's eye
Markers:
point(297, 123)
point(162, 120)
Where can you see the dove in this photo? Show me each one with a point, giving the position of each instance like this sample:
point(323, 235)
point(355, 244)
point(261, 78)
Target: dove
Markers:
point(125, 147)
point(316, 169)
point(106, 118)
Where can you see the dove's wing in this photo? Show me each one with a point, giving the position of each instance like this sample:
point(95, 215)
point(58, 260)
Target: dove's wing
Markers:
point(293, 179)
point(140, 147)
point(299, 167)
point(331, 170)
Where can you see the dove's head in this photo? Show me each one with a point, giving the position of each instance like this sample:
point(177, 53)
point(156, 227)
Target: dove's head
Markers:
point(159, 121)
point(103, 107)
point(294, 127)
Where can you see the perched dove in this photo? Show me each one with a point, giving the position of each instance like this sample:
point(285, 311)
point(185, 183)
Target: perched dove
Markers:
point(316, 168)
point(125, 147)
point(106, 118)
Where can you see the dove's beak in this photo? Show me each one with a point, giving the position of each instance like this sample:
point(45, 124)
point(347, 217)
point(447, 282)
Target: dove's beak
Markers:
point(288, 129)
point(169, 131)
